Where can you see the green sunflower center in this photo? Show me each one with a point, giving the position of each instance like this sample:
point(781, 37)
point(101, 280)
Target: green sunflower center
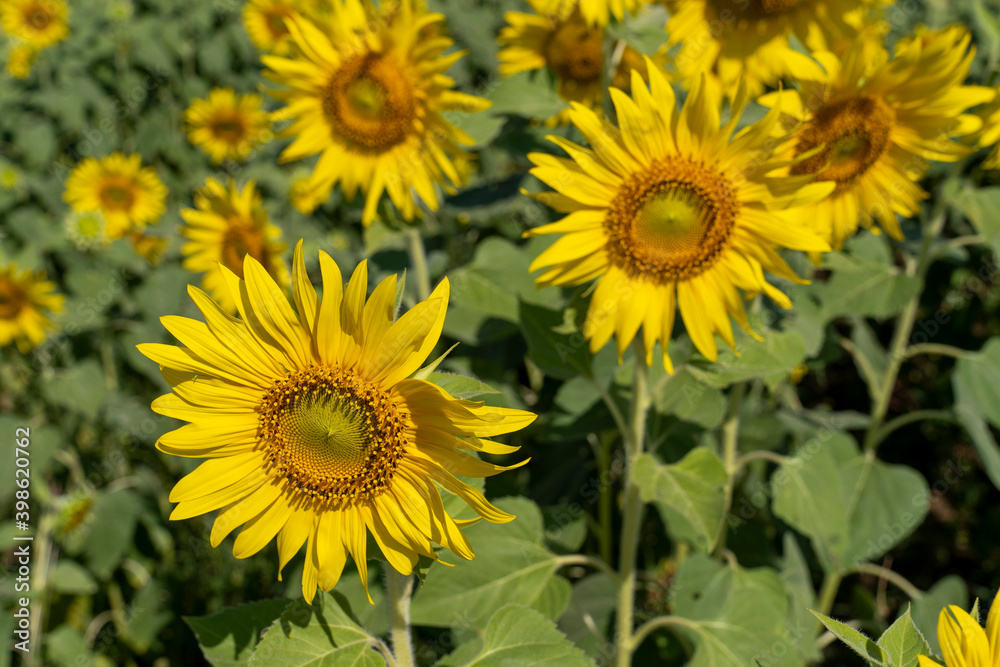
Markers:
point(13, 299)
point(241, 240)
point(89, 225)
point(370, 103)
point(854, 134)
point(330, 435)
point(672, 221)
point(574, 52)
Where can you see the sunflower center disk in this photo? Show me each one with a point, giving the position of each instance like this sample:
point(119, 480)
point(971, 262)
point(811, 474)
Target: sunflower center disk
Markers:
point(12, 299)
point(229, 128)
point(574, 52)
point(771, 7)
point(239, 241)
point(88, 225)
point(38, 18)
point(330, 435)
point(276, 22)
point(672, 221)
point(854, 134)
point(117, 195)
point(370, 103)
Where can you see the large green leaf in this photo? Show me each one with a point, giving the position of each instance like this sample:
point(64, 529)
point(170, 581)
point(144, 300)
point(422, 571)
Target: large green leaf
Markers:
point(689, 494)
point(980, 206)
point(526, 94)
point(511, 563)
point(227, 638)
point(795, 575)
point(982, 438)
point(974, 381)
point(734, 617)
point(771, 361)
point(111, 529)
point(517, 635)
point(321, 635)
point(854, 507)
point(687, 399)
point(79, 388)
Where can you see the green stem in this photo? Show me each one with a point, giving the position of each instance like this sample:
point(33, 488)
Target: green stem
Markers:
point(633, 507)
point(827, 595)
point(604, 497)
point(934, 348)
point(583, 559)
point(418, 258)
point(398, 588)
point(909, 418)
point(901, 582)
point(730, 438)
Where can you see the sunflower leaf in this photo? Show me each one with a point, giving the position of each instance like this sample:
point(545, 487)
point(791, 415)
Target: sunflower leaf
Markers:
point(903, 642)
point(228, 637)
point(461, 386)
point(863, 646)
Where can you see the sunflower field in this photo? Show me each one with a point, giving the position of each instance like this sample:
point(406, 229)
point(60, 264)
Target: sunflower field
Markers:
point(499, 333)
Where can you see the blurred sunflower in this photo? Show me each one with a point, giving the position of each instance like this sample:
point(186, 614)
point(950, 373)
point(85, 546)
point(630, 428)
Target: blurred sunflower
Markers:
point(870, 127)
point(367, 92)
point(129, 195)
point(87, 229)
point(749, 41)
point(557, 37)
point(38, 23)
point(226, 226)
point(227, 125)
point(669, 213)
point(265, 23)
point(599, 12)
point(990, 134)
point(149, 247)
point(26, 301)
point(20, 59)
point(313, 431)
point(963, 641)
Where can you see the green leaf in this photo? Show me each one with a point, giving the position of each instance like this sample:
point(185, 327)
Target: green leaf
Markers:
point(974, 381)
point(982, 439)
point(111, 530)
point(314, 636)
point(903, 642)
point(526, 94)
point(980, 206)
point(587, 621)
point(227, 638)
point(558, 355)
point(71, 578)
point(853, 507)
point(517, 635)
point(863, 646)
point(869, 356)
point(461, 386)
point(644, 31)
point(687, 399)
point(925, 611)
point(689, 494)
point(735, 617)
point(771, 361)
point(795, 575)
point(79, 388)
point(511, 563)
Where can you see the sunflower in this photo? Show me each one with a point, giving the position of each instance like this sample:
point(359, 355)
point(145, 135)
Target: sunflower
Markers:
point(368, 92)
point(871, 126)
point(226, 226)
point(265, 23)
point(38, 23)
point(26, 300)
point(128, 194)
point(668, 214)
point(990, 134)
point(227, 125)
point(558, 38)
point(20, 59)
point(963, 641)
point(87, 229)
point(599, 12)
point(749, 41)
point(313, 431)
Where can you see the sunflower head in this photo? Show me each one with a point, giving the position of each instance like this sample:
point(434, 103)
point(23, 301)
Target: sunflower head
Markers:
point(87, 229)
point(226, 125)
point(20, 59)
point(963, 641)
point(669, 211)
point(314, 430)
point(129, 195)
point(27, 300)
point(367, 91)
point(265, 23)
point(38, 23)
point(227, 225)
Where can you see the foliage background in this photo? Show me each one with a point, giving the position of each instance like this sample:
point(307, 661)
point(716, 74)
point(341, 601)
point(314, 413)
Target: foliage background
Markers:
point(121, 579)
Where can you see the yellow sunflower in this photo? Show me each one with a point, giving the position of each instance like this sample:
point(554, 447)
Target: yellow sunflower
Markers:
point(129, 195)
point(227, 125)
point(313, 431)
point(20, 59)
point(871, 126)
point(368, 93)
point(990, 135)
point(669, 213)
point(963, 641)
point(265, 23)
point(226, 226)
point(557, 37)
point(749, 41)
point(39, 23)
point(599, 12)
point(26, 301)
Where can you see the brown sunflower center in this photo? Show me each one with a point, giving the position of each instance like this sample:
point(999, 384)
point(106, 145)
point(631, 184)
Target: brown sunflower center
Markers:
point(334, 437)
point(241, 240)
point(854, 134)
point(229, 127)
point(370, 103)
point(117, 194)
point(771, 7)
point(672, 221)
point(574, 52)
point(13, 299)
point(37, 16)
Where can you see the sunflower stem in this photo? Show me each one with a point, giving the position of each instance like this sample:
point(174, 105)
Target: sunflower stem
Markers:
point(632, 510)
point(418, 258)
point(398, 587)
point(730, 438)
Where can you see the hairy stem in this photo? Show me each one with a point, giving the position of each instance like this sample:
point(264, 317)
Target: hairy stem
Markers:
point(398, 587)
